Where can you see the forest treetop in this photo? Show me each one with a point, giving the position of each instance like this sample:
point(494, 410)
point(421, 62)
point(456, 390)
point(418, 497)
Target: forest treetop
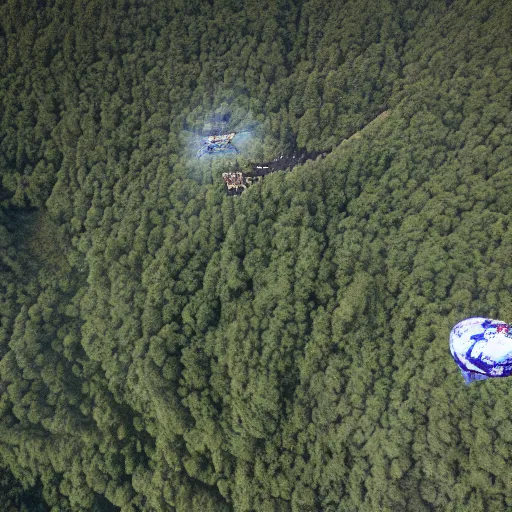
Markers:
point(165, 347)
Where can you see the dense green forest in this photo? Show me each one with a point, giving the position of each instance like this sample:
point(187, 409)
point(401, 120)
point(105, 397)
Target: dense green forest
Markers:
point(165, 347)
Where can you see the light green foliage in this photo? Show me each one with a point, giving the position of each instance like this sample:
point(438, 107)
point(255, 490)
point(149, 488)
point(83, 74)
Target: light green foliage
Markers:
point(165, 347)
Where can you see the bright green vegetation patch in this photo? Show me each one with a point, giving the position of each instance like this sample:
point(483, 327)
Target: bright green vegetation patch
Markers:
point(165, 347)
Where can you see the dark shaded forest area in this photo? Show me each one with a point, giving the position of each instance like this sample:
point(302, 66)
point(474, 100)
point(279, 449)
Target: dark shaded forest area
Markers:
point(165, 347)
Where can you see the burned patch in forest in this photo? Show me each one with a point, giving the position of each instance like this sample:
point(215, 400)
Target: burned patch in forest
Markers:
point(236, 182)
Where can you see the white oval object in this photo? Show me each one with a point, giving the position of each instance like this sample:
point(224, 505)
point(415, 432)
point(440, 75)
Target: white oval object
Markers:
point(482, 347)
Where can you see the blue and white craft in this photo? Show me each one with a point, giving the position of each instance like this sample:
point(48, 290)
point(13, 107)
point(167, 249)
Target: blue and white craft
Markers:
point(482, 348)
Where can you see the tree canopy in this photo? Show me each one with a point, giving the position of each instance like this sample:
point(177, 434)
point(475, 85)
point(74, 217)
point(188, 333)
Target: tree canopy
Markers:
point(165, 347)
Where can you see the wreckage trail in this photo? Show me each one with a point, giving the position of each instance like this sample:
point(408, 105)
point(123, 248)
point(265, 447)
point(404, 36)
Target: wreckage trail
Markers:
point(236, 182)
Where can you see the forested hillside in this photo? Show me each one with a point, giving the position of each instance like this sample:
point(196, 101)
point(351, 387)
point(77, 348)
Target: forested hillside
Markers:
point(165, 347)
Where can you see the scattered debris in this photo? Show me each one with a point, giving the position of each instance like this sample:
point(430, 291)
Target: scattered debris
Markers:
point(237, 182)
